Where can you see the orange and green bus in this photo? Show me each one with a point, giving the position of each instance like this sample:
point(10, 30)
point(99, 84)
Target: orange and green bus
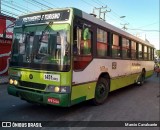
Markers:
point(65, 56)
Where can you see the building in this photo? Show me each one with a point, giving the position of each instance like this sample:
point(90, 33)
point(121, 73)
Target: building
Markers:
point(6, 34)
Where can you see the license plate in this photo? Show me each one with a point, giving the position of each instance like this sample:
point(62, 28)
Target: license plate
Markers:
point(53, 100)
point(52, 77)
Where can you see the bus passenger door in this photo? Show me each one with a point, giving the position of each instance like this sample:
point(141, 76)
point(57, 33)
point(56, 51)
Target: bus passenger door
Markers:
point(82, 52)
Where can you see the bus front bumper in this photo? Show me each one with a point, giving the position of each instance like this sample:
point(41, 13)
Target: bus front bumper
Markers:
point(40, 97)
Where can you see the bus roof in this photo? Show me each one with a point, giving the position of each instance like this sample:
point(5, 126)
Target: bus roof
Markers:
point(95, 20)
point(109, 26)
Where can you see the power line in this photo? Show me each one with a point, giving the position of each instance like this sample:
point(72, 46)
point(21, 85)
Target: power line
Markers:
point(101, 12)
point(20, 5)
point(30, 2)
point(101, 2)
point(41, 4)
point(15, 5)
point(9, 12)
point(145, 30)
point(113, 19)
point(112, 12)
point(49, 3)
point(148, 25)
point(96, 2)
point(87, 3)
point(124, 26)
point(13, 8)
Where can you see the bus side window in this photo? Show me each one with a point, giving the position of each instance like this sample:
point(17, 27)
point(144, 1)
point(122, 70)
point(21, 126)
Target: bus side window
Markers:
point(102, 43)
point(82, 48)
point(133, 50)
point(140, 51)
point(145, 53)
point(125, 48)
point(149, 53)
point(115, 46)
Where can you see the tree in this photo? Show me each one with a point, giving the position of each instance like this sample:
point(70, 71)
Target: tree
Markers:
point(158, 53)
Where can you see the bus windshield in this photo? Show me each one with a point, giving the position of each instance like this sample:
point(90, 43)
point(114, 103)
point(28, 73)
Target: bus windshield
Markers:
point(47, 49)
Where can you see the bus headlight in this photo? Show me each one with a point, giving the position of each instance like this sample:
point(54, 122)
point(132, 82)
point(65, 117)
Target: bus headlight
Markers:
point(15, 82)
point(56, 89)
point(11, 81)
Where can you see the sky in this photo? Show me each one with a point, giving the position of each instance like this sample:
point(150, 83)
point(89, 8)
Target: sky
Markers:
point(141, 16)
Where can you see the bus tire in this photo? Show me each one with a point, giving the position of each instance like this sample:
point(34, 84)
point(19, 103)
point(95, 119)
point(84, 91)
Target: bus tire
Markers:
point(101, 91)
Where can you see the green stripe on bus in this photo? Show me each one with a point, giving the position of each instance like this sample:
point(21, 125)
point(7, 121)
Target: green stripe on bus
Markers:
point(87, 90)
point(123, 81)
point(78, 100)
point(41, 98)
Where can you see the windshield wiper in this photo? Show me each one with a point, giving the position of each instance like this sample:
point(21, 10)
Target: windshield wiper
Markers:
point(43, 32)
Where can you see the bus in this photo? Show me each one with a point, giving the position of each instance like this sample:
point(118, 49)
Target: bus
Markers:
point(62, 57)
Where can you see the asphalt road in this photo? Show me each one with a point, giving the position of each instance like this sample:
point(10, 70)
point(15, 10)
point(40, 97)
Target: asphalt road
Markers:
point(132, 103)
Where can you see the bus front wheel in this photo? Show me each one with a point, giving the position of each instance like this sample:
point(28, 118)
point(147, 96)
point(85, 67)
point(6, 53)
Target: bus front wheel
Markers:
point(101, 91)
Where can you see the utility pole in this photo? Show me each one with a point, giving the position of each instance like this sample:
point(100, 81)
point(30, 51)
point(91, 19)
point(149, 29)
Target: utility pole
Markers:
point(104, 14)
point(101, 12)
point(124, 26)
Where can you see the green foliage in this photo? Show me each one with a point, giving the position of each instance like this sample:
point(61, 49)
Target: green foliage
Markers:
point(158, 53)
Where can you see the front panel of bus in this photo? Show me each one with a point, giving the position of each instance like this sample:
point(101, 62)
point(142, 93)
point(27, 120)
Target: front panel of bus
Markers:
point(40, 66)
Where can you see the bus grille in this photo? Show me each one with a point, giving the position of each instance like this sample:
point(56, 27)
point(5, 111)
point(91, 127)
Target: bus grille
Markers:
point(32, 85)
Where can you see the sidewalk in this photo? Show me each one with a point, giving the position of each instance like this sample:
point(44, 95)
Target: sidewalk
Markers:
point(4, 79)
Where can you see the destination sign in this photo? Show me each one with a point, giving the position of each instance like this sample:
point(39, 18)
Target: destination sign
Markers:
point(43, 17)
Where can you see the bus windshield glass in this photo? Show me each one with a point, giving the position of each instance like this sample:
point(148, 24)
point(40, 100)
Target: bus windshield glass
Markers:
point(45, 49)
